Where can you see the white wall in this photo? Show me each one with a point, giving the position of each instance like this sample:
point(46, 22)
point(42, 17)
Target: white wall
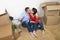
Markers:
point(16, 7)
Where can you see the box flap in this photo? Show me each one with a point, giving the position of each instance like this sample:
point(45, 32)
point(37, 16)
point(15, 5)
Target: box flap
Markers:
point(48, 3)
point(53, 7)
point(4, 19)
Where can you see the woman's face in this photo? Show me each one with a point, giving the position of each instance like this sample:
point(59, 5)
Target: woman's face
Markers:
point(32, 11)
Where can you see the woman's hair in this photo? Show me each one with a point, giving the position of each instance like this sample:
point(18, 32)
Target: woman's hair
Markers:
point(34, 10)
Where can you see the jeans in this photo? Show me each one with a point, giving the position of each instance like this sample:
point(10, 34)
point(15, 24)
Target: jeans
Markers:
point(41, 25)
point(35, 26)
point(28, 25)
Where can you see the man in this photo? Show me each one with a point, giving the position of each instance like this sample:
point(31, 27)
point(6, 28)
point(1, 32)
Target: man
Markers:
point(25, 19)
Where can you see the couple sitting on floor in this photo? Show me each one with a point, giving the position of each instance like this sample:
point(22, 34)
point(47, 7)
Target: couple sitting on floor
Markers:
point(31, 20)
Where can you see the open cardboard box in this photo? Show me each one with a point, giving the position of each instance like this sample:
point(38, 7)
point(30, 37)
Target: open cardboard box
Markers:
point(5, 27)
point(48, 4)
point(4, 19)
point(51, 13)
point(53, 7)
point(52, 10)
point(6, 32)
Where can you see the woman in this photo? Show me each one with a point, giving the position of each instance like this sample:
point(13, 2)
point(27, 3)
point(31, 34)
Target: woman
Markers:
point(35, 21)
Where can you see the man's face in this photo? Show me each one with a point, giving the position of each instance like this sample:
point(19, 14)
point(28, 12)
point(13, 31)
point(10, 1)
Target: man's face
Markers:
point(28, 11)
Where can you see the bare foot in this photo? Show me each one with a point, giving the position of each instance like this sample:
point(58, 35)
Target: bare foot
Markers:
point(34, 33)
point(19, 31)
point(43, 33)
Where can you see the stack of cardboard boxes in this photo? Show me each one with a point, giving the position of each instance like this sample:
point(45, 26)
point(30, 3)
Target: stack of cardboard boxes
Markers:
point(51, 13)
point(5, 27)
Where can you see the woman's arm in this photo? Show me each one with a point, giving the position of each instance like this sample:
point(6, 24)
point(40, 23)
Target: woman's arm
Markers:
point(36, 18)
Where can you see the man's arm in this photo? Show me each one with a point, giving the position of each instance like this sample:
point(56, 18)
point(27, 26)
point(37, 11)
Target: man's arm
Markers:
point(21, 17)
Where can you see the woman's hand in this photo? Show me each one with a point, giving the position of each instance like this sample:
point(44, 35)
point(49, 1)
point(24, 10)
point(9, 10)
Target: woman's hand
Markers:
point(32, 22)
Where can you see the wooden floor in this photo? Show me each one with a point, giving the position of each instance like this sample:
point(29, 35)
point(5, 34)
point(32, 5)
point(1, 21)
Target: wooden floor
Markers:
point(52, 33)
point(55, 30)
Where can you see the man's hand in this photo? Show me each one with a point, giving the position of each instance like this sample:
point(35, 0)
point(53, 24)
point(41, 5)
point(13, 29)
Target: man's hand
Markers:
point(32, 22)
point(19, 20)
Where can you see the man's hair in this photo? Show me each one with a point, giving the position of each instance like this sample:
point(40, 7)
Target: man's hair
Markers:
point(34, 10)
point(26, 9)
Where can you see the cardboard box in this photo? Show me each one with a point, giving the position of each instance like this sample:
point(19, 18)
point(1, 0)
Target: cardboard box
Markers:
point(51, 20)
point(5, 27)
point(6, 32)
point(53, 7)
point(59, 13)
point(52, 13)
point(59, 18)
point(4, 19)
point(48, 3)
point(16, 35)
